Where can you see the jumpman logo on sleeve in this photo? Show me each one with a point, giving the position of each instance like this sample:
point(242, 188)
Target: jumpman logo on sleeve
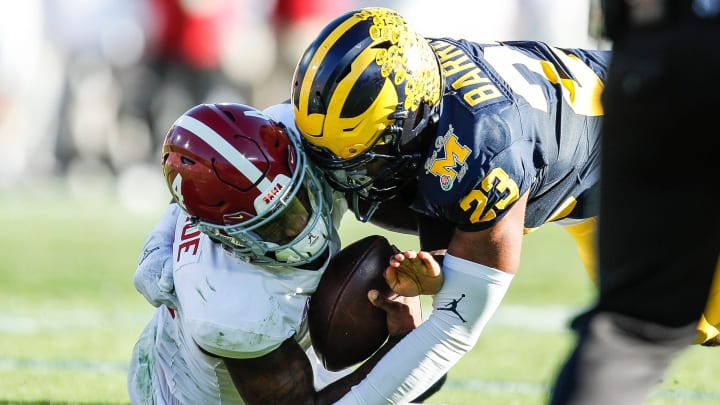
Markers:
point(452, 306)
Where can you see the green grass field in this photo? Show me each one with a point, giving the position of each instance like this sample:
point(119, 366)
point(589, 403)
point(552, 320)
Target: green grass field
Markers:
point(71, 314)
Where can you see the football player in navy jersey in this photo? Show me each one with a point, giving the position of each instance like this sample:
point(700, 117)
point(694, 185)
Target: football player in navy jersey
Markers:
point(485, 142)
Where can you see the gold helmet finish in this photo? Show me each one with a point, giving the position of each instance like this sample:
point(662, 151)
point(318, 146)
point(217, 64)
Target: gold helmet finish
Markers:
point(363, 67)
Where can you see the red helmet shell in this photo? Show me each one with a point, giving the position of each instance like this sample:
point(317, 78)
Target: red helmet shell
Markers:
point(219, 158)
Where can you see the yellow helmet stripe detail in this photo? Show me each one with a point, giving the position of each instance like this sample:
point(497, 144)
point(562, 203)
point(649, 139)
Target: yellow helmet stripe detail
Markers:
point(320, 54)
point(363, 124)
point(343, 89)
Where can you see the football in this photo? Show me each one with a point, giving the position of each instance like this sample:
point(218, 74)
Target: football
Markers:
point(345, 328)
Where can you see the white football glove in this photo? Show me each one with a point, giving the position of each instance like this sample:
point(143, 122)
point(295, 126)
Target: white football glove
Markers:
point(154, 276)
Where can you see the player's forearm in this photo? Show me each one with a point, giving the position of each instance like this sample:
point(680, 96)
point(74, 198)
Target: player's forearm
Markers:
point(333, 392)
point(469, 297)
point(285, 376)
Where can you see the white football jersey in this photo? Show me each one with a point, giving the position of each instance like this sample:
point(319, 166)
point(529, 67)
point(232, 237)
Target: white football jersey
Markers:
point(229, 308)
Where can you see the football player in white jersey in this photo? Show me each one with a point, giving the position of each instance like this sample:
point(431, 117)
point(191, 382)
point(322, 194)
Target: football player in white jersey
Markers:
point(250, 232)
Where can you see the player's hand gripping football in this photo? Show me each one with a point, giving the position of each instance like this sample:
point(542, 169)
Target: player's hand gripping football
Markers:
point(402, 316)
point(412, 273)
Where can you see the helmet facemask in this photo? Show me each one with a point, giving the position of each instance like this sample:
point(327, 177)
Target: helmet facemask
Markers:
point(379, 173)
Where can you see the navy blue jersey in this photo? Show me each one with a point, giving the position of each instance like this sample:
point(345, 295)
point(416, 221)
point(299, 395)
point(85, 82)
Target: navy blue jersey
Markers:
point(516, 116)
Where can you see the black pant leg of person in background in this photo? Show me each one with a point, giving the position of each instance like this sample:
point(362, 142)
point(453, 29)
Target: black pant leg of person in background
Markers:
point(659, 227)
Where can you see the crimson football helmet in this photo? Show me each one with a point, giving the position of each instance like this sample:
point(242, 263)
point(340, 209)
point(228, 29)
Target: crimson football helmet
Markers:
point(244, 180)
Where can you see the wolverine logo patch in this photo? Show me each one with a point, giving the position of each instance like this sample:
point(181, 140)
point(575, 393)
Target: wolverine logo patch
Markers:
point(448, 160)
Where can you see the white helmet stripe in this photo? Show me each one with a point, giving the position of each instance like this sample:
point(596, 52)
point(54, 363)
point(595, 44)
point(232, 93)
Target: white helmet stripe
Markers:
point(226, 150)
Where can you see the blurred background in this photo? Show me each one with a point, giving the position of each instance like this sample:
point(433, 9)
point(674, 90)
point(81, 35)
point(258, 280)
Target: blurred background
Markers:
point(89, 87)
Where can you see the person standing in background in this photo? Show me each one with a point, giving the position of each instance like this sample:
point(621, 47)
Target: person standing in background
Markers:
point(656, 265)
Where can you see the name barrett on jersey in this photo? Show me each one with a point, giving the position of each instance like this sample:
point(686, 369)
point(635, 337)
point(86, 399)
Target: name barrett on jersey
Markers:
point(516, 116)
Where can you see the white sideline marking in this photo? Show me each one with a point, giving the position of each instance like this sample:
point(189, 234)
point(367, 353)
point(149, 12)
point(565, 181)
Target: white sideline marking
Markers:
point(7, 364)
point(539, 319)
point(63, 319)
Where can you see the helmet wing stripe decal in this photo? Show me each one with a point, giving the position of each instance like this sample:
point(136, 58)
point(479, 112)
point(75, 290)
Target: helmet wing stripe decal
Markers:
point(222, 146)
point(345, 86)
point(319, 56)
